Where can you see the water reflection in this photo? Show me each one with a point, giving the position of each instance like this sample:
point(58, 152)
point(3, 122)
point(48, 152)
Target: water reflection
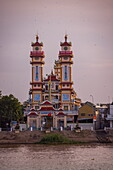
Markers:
point(56, 157)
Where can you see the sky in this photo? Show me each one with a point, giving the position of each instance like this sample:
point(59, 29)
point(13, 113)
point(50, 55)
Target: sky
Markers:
point(89, 25)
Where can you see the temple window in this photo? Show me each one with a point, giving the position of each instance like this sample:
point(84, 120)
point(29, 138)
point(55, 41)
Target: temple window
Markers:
point(46, 97)
point(46, 87)
point(56, 97)
point(82, 114)
point(36, 107)
point(65, 107)
point(56, 87)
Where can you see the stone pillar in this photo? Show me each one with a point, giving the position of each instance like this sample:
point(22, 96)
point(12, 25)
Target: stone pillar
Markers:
point(39, 121)
point(28, 122)
point(55, 121)
point(54, 117)
point(65, 121)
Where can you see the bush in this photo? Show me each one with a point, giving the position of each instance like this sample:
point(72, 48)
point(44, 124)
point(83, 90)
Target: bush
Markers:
point(54, 139)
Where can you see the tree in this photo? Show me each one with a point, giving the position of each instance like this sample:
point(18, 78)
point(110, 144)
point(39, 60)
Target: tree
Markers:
point(10, 109)
point(0, 94)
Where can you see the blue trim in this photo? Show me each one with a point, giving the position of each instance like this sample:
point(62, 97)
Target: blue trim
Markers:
point(65, 73)
point(36, 77)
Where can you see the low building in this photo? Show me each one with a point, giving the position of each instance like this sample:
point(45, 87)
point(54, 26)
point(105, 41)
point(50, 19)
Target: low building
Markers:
point(110, 116)
point(86, 114)
point(102, 110)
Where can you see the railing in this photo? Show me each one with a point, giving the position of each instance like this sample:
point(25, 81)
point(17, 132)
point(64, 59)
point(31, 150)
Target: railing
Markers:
point(36, 53)
point(70, 101)
point(65, 52)
point(55, 100)
point(109, 116)
point(71, 112)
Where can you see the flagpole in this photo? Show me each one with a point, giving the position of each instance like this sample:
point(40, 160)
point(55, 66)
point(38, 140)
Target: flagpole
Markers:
point(50, 89)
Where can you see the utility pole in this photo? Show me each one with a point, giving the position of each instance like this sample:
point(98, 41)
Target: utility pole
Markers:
point(92, 98)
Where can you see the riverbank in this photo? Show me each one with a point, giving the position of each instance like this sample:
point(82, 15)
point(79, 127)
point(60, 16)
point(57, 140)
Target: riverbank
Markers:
point(30, 137)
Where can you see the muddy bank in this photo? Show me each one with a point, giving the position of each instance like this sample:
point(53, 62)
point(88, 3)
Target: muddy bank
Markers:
point(28, 137)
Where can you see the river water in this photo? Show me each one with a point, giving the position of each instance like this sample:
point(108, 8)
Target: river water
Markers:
point(56, 157)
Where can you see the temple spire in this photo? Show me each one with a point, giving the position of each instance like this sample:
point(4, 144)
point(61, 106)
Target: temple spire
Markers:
point(66, 38)
point(51, 71)
point(37, 38)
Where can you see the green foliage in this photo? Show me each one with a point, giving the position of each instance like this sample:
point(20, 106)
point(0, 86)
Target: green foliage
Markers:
point(55, 139)
point(10, 109)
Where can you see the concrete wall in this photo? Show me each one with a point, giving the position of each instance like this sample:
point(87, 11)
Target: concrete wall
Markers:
point(88, 126)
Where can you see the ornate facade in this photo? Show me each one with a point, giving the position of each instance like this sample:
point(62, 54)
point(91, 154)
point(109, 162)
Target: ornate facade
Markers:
point(55, 93)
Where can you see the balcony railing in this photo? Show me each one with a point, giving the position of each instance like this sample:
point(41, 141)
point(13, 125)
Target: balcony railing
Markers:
point(73, 112)
point(110, 116)
point(55, 100)
point(36, 53)
point(65, 52)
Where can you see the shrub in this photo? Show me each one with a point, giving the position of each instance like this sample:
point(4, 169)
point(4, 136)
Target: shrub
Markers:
point(54, 138)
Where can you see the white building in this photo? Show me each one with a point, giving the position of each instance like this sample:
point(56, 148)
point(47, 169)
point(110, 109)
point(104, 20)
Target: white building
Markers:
point(110, 116)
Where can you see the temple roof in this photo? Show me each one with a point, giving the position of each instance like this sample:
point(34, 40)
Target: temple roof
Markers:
point(60, 109)
point(60, 114)
point(65, 43)
point(51, 78)
point(47, 109)
point(37, 43)
point(32, 114)
point(46, 106)
point(32, 109)
point(46, 102)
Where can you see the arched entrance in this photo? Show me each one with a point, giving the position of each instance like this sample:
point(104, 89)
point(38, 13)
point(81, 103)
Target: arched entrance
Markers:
point(47, 121)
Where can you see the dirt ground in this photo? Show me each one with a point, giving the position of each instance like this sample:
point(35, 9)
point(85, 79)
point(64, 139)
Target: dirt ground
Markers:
point(27, 137)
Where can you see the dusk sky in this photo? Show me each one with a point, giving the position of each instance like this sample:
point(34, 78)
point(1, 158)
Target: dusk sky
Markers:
point(89, 25)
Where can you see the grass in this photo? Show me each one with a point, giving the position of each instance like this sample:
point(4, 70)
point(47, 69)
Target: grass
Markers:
point(55, 139)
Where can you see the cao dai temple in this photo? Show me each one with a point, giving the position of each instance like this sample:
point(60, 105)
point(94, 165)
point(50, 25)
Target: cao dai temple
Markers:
point(53, 100)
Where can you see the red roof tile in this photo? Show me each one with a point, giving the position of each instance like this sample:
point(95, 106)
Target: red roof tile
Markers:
point(37, 44)
point(60, 109)
point(65, 44)
point(52, 78)
point(61, 114)
point(32, 109)
point(46, 109)
point(46, 103)
point(32, 114)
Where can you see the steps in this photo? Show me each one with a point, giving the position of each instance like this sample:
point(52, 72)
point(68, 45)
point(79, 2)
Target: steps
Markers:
point(102, 136)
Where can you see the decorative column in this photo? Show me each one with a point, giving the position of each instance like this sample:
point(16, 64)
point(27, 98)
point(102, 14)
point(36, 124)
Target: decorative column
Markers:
point(56, 121)
point(65, 122)
point(28, 122)
point(39, 121)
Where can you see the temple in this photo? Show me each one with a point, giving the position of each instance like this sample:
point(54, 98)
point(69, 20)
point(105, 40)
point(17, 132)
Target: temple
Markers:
point(53, 101)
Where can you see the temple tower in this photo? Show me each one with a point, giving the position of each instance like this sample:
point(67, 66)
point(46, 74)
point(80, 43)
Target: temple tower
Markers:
point(65, 61)
point(37, 62)
point(63, 70)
